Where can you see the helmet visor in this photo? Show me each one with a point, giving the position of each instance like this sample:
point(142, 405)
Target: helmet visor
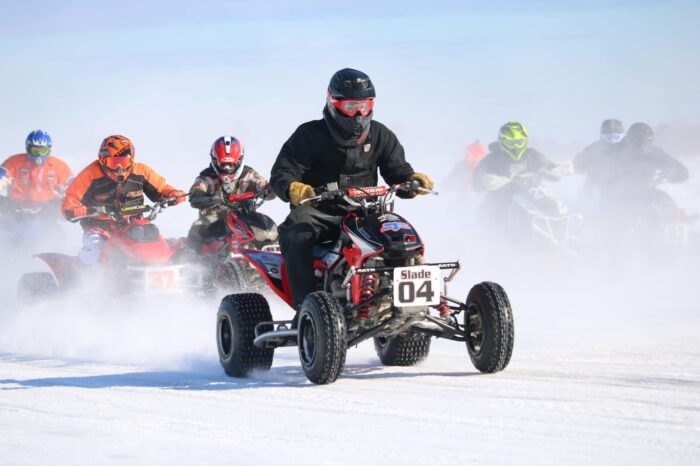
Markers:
point(353, 107)
point(514, 147)
point(514, 143)
point(611, 138)
point(39, 151)
point(117, 164)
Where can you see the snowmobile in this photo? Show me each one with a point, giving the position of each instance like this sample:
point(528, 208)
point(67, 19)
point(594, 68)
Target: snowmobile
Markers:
point(372, 283)
point(227, 267)
point(135, 259)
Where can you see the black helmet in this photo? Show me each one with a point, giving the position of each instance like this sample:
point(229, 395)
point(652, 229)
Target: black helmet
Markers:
point(612, 131)
point(349, 105)
point(640, 135)
point(351, 84)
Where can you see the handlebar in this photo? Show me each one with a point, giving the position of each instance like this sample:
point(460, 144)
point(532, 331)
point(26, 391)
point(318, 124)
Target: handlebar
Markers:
point(352, 195)
point(247, 199)
point(127, 212)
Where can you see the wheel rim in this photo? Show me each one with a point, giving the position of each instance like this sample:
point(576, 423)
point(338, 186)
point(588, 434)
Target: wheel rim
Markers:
point(225, 337)
point(307, 345)
point(475, 330)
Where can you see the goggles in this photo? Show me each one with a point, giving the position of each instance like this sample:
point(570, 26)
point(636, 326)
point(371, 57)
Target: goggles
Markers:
point(352, 107)
point(117, 164)
point(229, 167)
point(39, 151)
point(514, 143)
point(611, 138)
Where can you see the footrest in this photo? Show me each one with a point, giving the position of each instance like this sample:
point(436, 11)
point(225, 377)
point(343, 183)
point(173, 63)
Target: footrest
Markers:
point(276, 339)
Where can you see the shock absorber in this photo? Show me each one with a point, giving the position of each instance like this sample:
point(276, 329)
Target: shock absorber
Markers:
point(367, 287)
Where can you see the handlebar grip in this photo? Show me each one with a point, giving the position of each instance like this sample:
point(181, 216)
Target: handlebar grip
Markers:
point(415, 185)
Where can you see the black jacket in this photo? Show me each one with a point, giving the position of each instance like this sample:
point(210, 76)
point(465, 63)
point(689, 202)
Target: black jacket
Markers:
point(498, 162)
point(641, 168)
point(597, 161)
point(311, 156)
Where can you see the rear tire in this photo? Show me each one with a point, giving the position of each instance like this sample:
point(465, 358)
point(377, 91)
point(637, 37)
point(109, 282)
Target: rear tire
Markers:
point(230, 277)
point(403, 350)
point(36, 287)
point(235, 332)
point(488, 321)
point(321, 339)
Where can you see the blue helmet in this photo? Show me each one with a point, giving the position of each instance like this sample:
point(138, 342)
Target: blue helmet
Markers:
point(38, 146)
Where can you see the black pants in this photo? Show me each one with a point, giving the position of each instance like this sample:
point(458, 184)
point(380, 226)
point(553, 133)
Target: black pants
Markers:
point(304, 227)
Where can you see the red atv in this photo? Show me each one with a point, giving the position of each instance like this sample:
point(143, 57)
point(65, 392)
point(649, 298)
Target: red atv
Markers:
point(373, 282)
point(135, 259)
point(227, 266)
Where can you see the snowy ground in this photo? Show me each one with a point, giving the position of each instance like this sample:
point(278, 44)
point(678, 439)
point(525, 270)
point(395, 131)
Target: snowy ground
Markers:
point(611, 377)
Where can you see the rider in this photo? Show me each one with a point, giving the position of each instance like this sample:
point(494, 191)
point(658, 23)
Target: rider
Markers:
point(34, 178)
point(641, 167)
point(644, 162)
point(474, 154)
point(227, 175)
point(511, 168)
point(112, 182)
point(597, 160)
point(461, 176)
point(345, 146)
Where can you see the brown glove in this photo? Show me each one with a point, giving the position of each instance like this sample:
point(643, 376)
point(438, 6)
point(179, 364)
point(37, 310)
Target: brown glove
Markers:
point(300, 191)
point(425, 182)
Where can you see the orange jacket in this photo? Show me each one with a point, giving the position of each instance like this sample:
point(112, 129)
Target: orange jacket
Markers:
point(32, 184)
point(92, 188)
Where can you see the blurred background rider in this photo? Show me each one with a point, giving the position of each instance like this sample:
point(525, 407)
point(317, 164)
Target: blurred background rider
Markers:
point(35, 177)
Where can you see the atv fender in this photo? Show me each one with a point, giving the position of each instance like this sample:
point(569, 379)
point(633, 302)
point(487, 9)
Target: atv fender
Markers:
point(64, 267)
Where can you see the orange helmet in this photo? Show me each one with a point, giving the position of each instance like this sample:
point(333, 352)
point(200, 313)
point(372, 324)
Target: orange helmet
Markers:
point(117, 157)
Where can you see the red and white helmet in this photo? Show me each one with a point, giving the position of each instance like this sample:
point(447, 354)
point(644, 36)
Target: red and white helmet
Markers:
point(227, 156)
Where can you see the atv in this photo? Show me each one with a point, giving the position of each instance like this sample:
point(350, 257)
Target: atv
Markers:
point(27, 226)
point(226, 266)
point(372, 283)
point(552, 227)
point(135, 259)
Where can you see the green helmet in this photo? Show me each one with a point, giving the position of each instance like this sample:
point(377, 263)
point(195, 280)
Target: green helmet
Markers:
point(512, 138)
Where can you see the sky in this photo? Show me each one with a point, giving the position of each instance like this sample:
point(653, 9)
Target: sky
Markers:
point(175, 75)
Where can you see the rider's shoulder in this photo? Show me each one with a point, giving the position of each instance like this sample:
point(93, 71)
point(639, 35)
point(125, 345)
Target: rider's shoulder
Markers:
point(143, 169)
point(378, 130)
point(312, 125)
point(57, 161)
point(15, 159)
point(248, 170)
point(532, 152)
point(208, 173)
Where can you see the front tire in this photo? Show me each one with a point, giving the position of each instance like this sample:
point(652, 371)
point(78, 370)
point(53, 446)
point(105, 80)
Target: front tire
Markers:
point(235, 332)
point(403, 350)
point(321, 339)
point(36, 287)
point(488, 321)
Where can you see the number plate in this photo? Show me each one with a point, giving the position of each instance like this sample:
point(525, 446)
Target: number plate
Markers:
point(416, 286)
point(162, 278)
